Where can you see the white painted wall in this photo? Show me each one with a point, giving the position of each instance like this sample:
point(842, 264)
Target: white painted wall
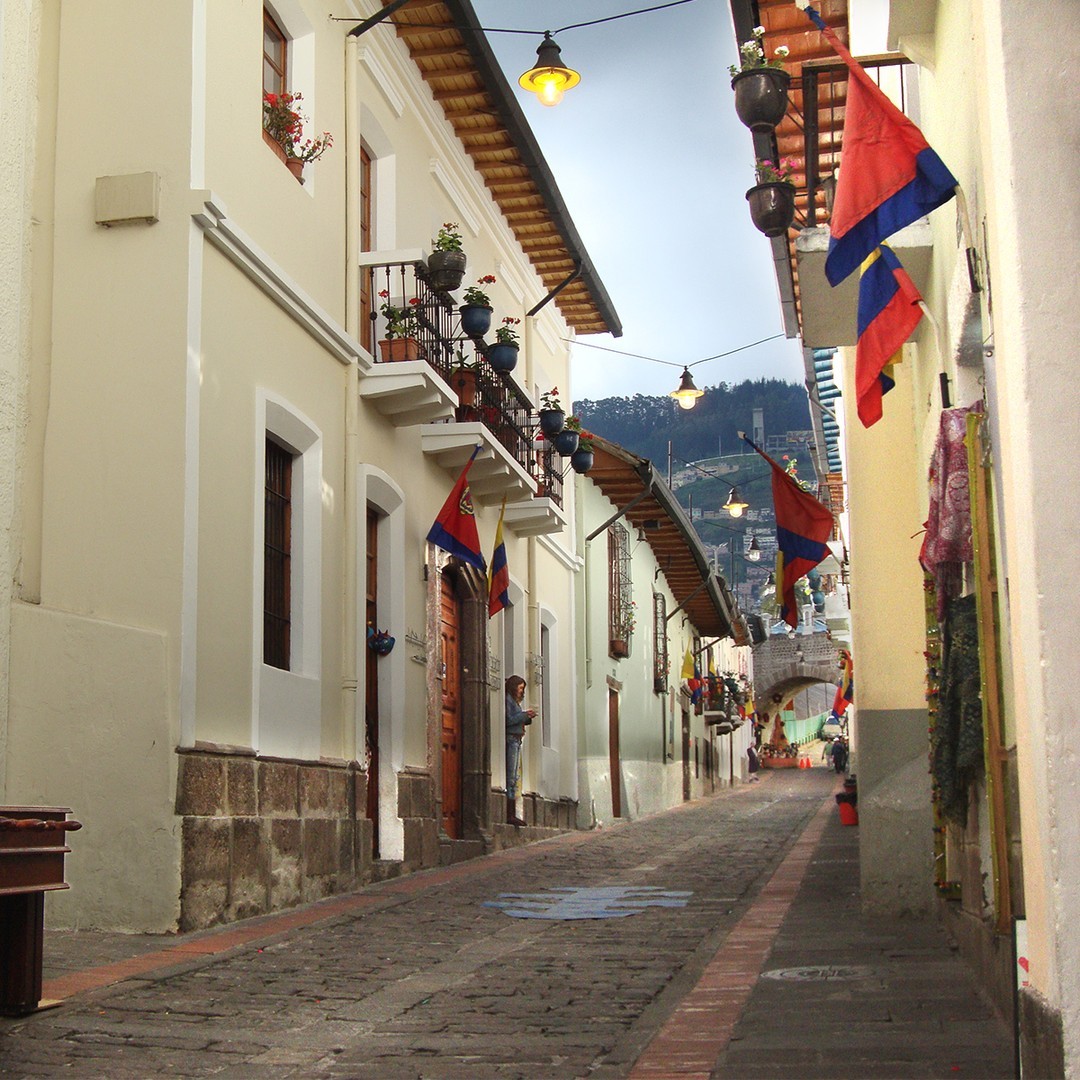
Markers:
point(160, 351)
point(19, 44)
point(650, 724)
point(1031, 97)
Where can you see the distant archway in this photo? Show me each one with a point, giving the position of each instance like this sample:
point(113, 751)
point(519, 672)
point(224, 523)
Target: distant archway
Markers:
point(783, 666)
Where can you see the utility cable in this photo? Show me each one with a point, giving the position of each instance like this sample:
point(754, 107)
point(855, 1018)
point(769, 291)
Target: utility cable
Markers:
point(672, 363)
point(531, 33)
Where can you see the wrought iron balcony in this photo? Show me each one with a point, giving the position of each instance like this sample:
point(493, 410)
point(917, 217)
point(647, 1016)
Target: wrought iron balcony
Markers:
point(827, 313)
point(429, 340)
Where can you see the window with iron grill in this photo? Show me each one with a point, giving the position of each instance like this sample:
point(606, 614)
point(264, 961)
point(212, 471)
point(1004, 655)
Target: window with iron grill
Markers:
point(660, 644)
point(620, 592)
point(277, 557)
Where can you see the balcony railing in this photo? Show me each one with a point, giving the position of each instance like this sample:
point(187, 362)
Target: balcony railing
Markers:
point(485, 395)
point(824, 102)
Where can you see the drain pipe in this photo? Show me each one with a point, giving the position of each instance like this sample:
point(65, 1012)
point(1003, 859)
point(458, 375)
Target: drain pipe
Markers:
point(350, 615)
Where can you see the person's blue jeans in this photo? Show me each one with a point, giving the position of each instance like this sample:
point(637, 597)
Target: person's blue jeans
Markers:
point(513, 759)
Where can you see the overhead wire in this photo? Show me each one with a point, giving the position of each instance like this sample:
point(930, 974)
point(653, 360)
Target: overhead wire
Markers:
point(531, 33)
point(672, 363)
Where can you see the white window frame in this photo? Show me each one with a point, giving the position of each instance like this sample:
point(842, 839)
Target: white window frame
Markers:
point(547, 676)
point(287, 705)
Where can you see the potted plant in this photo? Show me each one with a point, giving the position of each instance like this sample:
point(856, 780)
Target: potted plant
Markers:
point(475, 309)
point(503, 355)
point(463, 379)
point(380, 641)
point(581, 460)
point(772, 199)
point(283, 129)
point(619, 645)
point(446, 263)
point(400, 342)
point(567, 440)
point(552, 415)
point(760, 85)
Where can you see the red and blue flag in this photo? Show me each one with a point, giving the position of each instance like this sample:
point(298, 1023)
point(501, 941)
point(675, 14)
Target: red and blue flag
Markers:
point(889, 174)
point(455, 527)
point(803, 525)
point(845, 690)
point(498, 572)
point(889, 310)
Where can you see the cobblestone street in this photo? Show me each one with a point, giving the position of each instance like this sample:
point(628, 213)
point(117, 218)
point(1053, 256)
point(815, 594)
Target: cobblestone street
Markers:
point(421, 977)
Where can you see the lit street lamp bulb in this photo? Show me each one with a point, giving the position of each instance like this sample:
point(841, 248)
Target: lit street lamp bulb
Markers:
point(550, 78)
point(735, 510)
point(549, 88)
point(686, 402)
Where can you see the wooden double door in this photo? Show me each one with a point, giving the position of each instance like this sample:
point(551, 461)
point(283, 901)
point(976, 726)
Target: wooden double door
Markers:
point(451, 711)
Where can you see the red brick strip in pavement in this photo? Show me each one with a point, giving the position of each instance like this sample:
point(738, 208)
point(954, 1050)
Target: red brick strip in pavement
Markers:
point(697, 1033)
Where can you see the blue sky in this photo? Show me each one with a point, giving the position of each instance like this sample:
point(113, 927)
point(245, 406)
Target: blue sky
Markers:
point(654, 166)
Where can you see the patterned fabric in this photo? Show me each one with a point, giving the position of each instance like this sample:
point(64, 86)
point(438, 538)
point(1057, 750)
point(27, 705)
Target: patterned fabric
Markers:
point(947, 544)
point(956, 745)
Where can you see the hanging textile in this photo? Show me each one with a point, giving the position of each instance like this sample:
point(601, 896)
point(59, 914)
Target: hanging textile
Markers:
point(947, 544)
point(956, 745)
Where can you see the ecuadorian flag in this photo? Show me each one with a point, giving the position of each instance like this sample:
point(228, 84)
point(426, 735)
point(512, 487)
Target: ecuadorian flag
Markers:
point(889, 310)
point(498, 572)
point(889, 174)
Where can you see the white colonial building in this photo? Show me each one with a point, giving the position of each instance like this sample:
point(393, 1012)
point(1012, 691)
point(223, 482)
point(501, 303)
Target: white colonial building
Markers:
point(213, 487)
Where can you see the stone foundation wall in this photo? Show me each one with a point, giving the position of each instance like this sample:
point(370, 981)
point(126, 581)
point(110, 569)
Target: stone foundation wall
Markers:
point(263, 834)
point(1042, 1039)
point(416, 808)
point(260, 834)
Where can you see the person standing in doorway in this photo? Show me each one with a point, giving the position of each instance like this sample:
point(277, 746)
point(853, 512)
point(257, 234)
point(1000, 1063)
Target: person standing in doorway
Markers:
point(517, 719)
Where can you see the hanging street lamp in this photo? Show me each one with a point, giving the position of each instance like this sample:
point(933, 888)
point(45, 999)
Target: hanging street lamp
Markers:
point(549, 79)
point(687, 393)
point(735, 504)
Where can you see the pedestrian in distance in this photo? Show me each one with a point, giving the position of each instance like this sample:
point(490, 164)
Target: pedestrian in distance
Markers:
point(839, 754)
point(517, 719)
point(751, 753)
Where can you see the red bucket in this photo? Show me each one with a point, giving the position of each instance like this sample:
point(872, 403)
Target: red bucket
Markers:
point(849, 814)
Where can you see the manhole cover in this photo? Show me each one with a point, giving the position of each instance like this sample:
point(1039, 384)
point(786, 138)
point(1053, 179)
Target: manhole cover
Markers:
point(612, 902)
point(821, 973)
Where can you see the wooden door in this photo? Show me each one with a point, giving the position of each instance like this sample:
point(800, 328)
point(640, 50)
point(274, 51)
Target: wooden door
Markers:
point(450, 638)
point(613, 753)
point(371, 682)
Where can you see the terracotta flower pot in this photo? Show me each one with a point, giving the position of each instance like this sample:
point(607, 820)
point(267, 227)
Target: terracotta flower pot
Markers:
point(296, 167)
point(761, 97)
point(405, 348)
point(619, 647)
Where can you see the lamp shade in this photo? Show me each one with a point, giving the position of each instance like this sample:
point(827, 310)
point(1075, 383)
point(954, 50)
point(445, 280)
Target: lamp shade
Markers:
point(687, 393)
point(549, 79)
point(753, 552)
point(735, 504)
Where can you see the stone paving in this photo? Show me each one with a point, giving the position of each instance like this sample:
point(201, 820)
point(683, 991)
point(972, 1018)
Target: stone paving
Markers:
point(419, 978)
